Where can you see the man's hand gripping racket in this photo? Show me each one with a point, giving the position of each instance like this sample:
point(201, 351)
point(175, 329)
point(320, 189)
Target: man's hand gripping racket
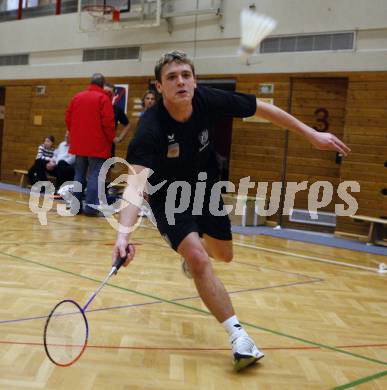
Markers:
point(124, 251)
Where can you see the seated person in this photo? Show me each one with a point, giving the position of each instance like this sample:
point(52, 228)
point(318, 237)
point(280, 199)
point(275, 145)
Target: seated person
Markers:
point(38, 172)
point(62, 163)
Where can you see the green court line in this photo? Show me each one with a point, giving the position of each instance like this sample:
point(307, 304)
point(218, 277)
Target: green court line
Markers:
point(304, 341)
point(361, 381)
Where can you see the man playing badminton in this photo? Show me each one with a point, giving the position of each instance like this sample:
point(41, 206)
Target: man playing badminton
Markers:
point(174, 140)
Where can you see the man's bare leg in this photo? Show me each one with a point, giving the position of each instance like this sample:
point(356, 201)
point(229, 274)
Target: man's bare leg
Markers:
point(216, 298)
point(209, 287)
point(218, 249)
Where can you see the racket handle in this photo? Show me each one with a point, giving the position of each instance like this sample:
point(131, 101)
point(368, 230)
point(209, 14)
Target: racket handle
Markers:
point(120, 260)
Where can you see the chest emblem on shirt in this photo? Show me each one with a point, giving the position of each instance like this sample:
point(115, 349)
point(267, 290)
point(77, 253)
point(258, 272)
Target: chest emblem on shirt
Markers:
point(173, 147)
point(203, 139)
point(173, 150)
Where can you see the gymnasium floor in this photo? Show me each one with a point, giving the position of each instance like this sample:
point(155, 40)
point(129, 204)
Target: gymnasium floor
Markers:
point(321, 326)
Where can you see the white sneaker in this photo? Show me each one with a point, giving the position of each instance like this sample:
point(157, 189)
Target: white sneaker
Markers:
point(185, 268)
point(244, 351)
point(106, 209)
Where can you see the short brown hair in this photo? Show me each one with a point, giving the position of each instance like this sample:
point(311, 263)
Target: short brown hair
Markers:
point(173, 56)
point(148, 92)
point(50, 137)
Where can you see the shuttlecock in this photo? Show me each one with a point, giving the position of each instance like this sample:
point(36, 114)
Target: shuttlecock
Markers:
point(382, 268)
point(254, 28)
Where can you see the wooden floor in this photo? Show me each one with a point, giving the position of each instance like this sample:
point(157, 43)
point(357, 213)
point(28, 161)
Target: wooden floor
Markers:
point(320, 325)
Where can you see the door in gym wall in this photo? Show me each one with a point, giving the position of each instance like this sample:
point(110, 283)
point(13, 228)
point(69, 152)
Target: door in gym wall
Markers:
point(320, 103)
point(2, 117)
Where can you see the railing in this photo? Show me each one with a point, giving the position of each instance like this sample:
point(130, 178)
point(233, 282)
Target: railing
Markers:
point(24, 9)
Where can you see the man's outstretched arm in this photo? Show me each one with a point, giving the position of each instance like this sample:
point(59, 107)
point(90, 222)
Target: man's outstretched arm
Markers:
point(321, 141)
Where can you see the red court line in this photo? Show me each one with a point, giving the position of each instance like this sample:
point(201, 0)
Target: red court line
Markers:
point(199, 349)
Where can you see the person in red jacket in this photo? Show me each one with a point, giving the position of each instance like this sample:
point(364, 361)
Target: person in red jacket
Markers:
point(90, 121)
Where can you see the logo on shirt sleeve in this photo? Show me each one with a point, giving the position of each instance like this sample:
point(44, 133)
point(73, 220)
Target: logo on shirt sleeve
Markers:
point(203, 139)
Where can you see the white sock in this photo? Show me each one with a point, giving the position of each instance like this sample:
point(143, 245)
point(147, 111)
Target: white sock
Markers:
point(232, 326)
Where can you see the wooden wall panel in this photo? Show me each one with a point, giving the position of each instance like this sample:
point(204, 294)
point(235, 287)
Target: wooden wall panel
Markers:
point(2, 105)
point(366, 134)
point(16, 147)
point(21, 137)
point(303, 161)
point(257, 148)
point(359, 114)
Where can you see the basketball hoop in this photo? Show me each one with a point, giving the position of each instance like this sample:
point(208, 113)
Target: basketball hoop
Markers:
point(116, 15)
point(100, 12)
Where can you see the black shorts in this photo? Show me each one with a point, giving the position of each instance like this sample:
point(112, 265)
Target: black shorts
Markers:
point(218, 227)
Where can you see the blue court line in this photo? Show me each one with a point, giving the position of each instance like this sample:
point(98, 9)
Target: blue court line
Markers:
point(275, 269)
point(165, 246)
point(153, 244)
point(332, 348)
point(201, 311)
point(172, 300)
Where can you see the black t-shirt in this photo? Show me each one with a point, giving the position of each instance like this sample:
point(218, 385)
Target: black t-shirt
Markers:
point(120, 116)
point(178, 151)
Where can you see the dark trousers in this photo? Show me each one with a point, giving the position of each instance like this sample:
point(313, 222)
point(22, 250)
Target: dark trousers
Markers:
point(38, 171)
point(63, 172)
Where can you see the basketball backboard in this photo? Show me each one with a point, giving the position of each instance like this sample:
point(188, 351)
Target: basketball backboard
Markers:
point(104, 15)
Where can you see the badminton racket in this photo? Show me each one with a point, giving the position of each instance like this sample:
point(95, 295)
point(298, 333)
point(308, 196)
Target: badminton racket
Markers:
point(66, 331)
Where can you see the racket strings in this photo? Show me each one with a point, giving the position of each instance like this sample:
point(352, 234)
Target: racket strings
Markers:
point(66, 333)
